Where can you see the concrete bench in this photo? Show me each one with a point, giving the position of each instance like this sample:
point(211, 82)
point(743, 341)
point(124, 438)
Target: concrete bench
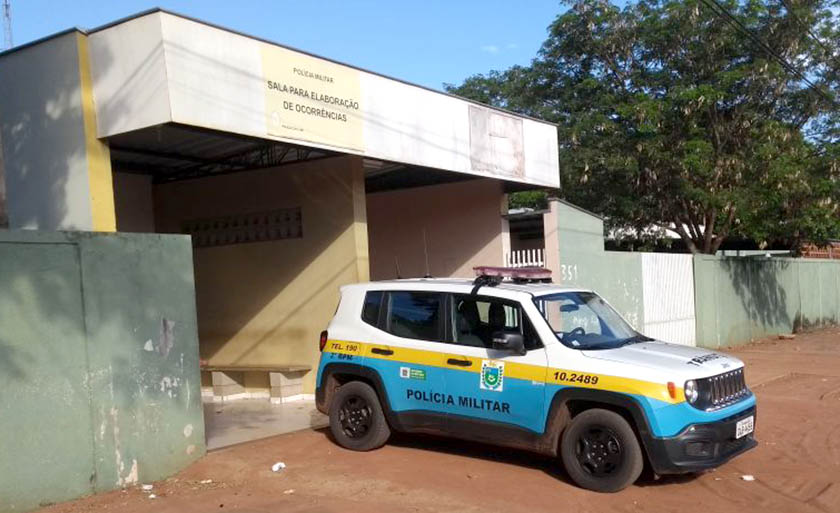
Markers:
point(231, 382)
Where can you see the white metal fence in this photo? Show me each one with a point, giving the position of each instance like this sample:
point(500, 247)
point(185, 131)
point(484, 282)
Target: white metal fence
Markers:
point(668, 294)
point(525, 258)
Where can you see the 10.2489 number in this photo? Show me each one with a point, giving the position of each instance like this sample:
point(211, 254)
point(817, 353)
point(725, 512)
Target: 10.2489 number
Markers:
point(573, 377)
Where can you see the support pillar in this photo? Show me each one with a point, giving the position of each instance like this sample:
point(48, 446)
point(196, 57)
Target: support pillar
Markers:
point(552, 238)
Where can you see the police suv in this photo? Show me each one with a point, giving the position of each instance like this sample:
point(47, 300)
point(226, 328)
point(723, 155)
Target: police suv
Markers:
point(531, 366)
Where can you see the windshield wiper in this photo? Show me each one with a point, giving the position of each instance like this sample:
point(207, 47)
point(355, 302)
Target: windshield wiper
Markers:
point(635, 340)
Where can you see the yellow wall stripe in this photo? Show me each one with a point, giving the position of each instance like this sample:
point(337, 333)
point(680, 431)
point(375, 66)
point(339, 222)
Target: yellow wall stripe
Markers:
point(100, 180)
point(515, 370)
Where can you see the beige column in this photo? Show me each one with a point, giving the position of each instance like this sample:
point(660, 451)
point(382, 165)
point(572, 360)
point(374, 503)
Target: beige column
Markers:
point(505, 230)
point(360, 231)
point(551, 220)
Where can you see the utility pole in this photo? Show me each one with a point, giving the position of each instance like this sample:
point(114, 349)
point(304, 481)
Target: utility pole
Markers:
point(7, 43)
point(7, 24)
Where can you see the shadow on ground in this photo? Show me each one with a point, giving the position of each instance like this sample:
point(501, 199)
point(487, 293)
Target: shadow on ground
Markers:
point(551, 466)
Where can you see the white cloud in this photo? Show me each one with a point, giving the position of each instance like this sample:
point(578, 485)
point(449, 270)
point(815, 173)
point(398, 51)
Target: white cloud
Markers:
point(490, 49)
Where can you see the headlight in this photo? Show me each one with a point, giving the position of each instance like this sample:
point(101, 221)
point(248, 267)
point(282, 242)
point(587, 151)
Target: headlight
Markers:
point(690, 390)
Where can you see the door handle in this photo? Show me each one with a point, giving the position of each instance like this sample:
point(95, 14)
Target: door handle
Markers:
point(459, 363)
point(379, 350)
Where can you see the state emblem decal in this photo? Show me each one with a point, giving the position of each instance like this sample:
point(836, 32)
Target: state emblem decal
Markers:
point(492, 375)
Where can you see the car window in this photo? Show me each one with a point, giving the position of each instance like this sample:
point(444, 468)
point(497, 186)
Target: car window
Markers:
point(415, 315)
point(476, 318)
point(370, 310)
point(583, 320)
point(578, 316)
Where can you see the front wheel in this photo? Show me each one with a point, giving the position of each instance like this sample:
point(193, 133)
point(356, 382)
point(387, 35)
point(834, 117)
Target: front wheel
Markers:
point(600, 451)
point(356, 418)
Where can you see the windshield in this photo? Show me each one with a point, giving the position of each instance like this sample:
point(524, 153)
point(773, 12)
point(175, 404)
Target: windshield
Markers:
point(582, 320)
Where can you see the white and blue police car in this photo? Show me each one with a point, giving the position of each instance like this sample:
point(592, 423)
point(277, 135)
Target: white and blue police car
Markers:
point(508, 361)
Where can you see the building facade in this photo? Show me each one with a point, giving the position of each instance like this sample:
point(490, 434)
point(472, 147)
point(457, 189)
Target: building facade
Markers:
point(293, 174)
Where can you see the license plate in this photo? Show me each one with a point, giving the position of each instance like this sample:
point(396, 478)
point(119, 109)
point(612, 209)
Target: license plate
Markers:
point(744, 426)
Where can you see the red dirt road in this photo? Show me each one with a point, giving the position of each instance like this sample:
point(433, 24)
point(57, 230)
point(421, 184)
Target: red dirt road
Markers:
point(796, 466)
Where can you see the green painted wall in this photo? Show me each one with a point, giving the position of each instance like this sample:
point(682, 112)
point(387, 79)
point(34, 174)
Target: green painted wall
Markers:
point(616, 276)
point(98, 363)
point(737, 299)
point(743, 299)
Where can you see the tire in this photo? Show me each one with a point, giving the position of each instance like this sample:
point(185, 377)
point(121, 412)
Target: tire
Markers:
point(601, 452)
point(356, 418)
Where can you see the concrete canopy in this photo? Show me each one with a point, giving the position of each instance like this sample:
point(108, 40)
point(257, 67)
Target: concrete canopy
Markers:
point(158, 68)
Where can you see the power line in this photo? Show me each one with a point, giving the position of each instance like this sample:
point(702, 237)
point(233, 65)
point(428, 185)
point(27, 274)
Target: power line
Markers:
point(790, 10)
point(828, 51)
point(721, 11)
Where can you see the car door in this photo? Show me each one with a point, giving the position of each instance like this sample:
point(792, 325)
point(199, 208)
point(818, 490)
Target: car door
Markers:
point(409, 354)
point(491, 386)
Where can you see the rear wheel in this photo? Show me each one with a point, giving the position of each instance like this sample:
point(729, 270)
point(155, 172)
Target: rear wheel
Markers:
point(600, 451)
point(356, 418)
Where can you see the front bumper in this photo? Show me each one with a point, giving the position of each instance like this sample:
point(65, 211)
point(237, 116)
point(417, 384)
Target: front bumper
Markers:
point(700, 446)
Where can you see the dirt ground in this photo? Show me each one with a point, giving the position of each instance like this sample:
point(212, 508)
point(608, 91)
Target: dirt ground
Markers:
point(796, 466)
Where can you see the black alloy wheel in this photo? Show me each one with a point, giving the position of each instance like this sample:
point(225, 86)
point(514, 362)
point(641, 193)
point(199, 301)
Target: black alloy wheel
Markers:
point(355, 416)
point(357, 421)
point(598, 451)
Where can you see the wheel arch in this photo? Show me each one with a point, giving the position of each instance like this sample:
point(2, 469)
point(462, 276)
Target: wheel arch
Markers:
point(336, 374)
point(569, 402)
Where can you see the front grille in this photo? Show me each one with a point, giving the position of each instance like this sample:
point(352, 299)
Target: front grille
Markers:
point(722, 390)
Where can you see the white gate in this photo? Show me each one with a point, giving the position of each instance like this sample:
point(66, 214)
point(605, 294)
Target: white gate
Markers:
point(668, 290)
point(525, 258)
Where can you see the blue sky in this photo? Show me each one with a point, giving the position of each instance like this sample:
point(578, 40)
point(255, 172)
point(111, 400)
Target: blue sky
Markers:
point(425, 42)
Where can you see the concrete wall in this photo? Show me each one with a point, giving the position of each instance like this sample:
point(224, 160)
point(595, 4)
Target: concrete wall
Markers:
point(653, 291)
point(461, 223)
point(57, 174)
point(742, 299)
point(133, 94)
point(265, 303)
point(578, 238)
point(98, 364)
point(706, 300)
point(133, 203)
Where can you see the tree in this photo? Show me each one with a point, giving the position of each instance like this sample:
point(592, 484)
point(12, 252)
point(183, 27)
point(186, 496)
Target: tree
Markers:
point(537, 200)
point(671, 115)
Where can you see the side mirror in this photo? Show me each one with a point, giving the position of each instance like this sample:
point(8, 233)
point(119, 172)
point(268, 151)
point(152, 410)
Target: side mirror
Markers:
point(509, 341)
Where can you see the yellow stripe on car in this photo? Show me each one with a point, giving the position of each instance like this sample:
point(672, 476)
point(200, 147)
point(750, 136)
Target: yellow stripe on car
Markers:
point(514, 370)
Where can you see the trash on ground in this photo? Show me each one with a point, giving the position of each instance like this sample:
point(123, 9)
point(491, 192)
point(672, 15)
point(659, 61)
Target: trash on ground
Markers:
point(152, 496)
point(785, 336)
point(289, 491)
point(277, 467)
point(206, 481)
point(147, 487)
point(748, 477)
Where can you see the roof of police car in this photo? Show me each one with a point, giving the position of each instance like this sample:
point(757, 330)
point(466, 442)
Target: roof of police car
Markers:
point(537, 289)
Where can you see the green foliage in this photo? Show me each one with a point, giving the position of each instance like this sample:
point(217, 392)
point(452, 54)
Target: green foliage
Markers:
point(538, 200)
point(670, 117)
